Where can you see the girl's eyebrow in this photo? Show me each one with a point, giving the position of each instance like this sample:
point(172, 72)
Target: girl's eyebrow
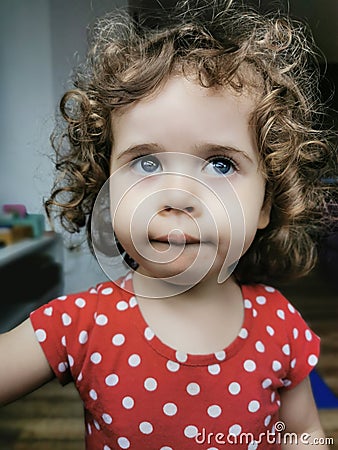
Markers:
point(210, 148)
point(141, 148)
point(205, 149)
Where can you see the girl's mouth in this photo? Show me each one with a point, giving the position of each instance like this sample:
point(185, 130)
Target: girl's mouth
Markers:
point(176, 238)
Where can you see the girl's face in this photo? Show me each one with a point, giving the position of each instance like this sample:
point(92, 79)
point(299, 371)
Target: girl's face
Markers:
point(187, 194)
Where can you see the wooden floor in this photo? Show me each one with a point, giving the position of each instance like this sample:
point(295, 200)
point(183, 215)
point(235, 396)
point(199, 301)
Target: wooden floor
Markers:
point(52, 419)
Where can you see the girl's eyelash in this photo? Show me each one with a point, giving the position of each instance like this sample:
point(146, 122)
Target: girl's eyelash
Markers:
point(139, 155)
point(208, 160)
point(228, 158)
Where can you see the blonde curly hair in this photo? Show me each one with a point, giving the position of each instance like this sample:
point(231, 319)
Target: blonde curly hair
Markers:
point(223, 44)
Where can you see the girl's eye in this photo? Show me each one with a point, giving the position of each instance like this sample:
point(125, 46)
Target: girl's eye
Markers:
point(220, 165)
point(147, 164)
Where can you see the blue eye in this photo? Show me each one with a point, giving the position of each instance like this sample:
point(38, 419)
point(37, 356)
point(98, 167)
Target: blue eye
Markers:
point(220, 165)
point(147, 164)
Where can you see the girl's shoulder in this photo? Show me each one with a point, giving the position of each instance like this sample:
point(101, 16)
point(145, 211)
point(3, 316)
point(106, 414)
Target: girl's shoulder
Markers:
point(271, 303)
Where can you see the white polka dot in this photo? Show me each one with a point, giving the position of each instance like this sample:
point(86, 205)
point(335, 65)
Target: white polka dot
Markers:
point(249, 365)
point(112, 379)
point(276, 365)
point(80, 302)
point(214, 411)
point(269, 289)
point(118, 339)
point(234, 388)
point(149, 334)
point(254, 312)
point(93, 291)
point(150, 384)
point(253, 445)
point(101, 320)
point(70, 360)
point(273, 397)
point(181, 357)
point(260, 347)
point(80, 377)
point(221, 355)
point(66, 319)
point(93, 394)
point(48, 311)
point(295, 333)
point(83, 337)
point(107, 291)
point(170, 409)
point(261, 300)
point(287, 382)
point(62, 297)
point(172, 366)
point(243, 333)
point(97, 425)
point(107, 418)
point(166, 448)
point(128, 402)
point(293, 363)
point(96, 358)
point(41, 335)
point(214, 369)
point(247, 304)
point(193, 389)
point(63, 367)
point(312, 360)
point(134, 360)
point(254, 406)
point(267, 420)
point(235, 430)
point(266, 383)
point(281, 314)
point(106, 447)
point(123, 442)
point(64, 341)
point(291, 308)
point(270, 330)
point(286, 349)
point(190, 431)
point(308, 335)
point(132, 302)
point(89, 428)
point(122, 305)
point(146, 427)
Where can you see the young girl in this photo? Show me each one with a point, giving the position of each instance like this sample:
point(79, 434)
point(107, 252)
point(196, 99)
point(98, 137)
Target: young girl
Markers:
point(210, 129)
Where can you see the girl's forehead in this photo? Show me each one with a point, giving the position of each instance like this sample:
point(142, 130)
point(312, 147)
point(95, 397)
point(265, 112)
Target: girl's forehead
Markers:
point(183, 115)
point(180, 90)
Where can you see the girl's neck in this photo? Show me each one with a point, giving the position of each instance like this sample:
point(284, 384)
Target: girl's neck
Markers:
point(148, 288)
point(201, 320)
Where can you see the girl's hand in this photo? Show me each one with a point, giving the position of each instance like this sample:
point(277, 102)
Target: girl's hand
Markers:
point(23, 365)
point(300, 416)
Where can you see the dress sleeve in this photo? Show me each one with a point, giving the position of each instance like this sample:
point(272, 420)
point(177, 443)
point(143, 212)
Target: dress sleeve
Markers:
point(62, 326)
point(303, 349)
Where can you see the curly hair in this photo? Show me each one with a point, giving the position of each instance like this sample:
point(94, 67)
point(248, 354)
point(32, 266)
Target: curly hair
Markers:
point(223, 44)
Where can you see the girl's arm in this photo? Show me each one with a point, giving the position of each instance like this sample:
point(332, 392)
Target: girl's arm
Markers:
point(23, 365)
point(300, 416)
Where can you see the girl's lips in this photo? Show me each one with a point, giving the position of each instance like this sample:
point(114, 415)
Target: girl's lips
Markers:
point(176, 239)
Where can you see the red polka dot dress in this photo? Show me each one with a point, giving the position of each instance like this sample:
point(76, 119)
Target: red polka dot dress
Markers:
point(138, 393)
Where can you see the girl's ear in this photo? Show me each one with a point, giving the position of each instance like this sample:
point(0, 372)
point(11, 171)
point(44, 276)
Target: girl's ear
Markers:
point(264, 216)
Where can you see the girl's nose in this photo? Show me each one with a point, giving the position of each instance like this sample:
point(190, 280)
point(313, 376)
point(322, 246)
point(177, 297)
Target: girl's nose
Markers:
point(179, 201)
